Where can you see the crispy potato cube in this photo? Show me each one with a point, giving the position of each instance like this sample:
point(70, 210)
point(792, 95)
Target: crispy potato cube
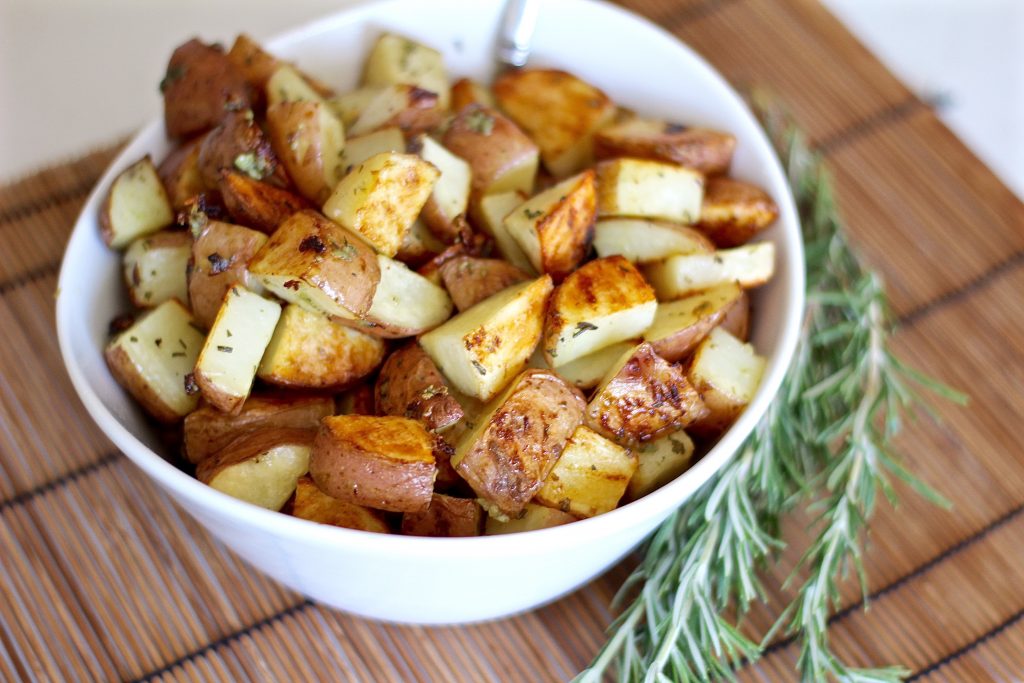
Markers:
point(642, 397)
point(360, 148)
point(446, 517)
point(238, 143)
point(703, 150)
point(319, 265)
point(405, 303)
point(153, 358)
point(286, 84)
point(207, 430)
point(236, 342)
point(749, 266)
point(533, 518)
point(680, 325)
point(154, 268)
point(411, 109)
point(309, 140)
point(381, 197)
point(644, 241)
point(179, 172)
point(136, 206)
point(256, 64)
point(450, 196)
point(410, 385)
point(727, 373)
point(491, 212)
point(559, 111)
point(588, 371)
point(310, 351)
point(590, 476)
point(503, 158)
point(606, 301)
point(261, 467)
point(510, 451)
point(659, 462)
point(482, 349)
point(554, 227)
point(470, 280)
point(256, 204)
point(419, 246)
point(386, 463)
point(395, 60)
point(220, 255)
point(349, 105)
point(466, 91)
point(733, 211)
point(649, 189)
point(200, 85)
point(313, 504)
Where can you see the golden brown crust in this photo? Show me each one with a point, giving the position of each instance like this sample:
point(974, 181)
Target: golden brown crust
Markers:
point(410, 385)
point(238, 143)
point(314, 505)
point(256, 204)
point(733, 212)
point(566, 231)
point(465, 92)
point(200, 85)
point(471, 280)
point(701, 149)
point(446, 517)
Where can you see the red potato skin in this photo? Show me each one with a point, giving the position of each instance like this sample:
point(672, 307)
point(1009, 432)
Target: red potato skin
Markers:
point(238, 136)
point(127, 375)
point(446, 517)
point(256, 204)
point(201, 84)
point(410, 385)
point(248, 445)
point(471, 280)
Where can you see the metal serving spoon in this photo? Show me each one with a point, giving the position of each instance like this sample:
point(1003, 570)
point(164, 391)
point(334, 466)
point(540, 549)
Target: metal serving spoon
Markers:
point(515, 33)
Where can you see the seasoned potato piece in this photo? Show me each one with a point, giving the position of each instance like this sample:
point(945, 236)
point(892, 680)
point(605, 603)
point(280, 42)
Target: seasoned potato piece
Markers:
point(200, 85)
point(419, 246)
point(236, 342)
point(751, 265)
point(179, 172)
point(220, 254)
point(554, 227)
point(313, 504)
point(360, 148)
point(260, 467)
point(533, 518)
point(659, 462)
point(154, 268)
point(559, 111)
point(450, 196)
point(407, 107)
point(381, 197)
point(590, 476)
point(733, 211)
point(644, 241)
point(410, 385)
point(649, 189)
point(446, 516)
point(642, 397)
point(309, 140)
point(471, 280)
point(491, 212)
point(466, 91)
point(737, 319)
point(137, 205)
point(386, 463)
point(349, 105)
point(405, 303)
point(511, 450)
point(395, 60)
point(256, 64)
point(153, 361)
point(310, 351)
point(502, 157)
point(208, 430)
point(256, 204)
point(237, 143)
point(286, 84)
point(603, 302)
point(588, 371)
point(727, 373)
point(482, 349)
point(680, 325)
point(319, 265)
point(701, 149)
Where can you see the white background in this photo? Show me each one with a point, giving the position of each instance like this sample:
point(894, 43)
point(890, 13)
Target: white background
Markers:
point(76, 74)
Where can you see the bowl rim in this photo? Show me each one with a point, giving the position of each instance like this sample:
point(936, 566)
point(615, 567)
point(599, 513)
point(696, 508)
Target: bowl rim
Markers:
point(184, 487)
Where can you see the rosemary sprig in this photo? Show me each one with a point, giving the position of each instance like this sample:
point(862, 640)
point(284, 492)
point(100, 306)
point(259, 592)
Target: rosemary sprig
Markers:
point(826, 440)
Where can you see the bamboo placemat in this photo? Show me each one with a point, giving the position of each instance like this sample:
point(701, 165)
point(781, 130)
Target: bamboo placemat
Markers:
point(102, 578)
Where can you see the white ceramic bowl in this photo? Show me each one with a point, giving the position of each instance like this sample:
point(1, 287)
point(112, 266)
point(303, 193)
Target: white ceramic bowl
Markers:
point(428, 580)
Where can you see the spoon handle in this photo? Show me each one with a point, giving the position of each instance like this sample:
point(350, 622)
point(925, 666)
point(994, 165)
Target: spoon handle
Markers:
point(516, 30)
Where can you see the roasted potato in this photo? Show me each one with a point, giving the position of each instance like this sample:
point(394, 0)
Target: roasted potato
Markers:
point(410, 385)
point(381, 197)
point(659, 462)
point(749, 266)
point(255, 64)
point(727, 373)
point(220, 255)
point(313, 504)
point(466, 91)
point(491, 212)
point(201, 84)
point(649, 189)
point(261, 467)
point(603, 302)
point(680, 325)
point(590, 476)
point(411, 109)
point(588, 371)
point(308, 139)
point(237, 143)
point(449, 198)
point(641, 398)
point(310, 351)
point(532, 518)
point(482, 349)
point(471, 280)
point(554, 228)
point(179, 172)
point(137, 205)
point(419, 246)
point(153, 361)
point(359, 149)
point(319, 265)
point(645, 241)
point(559, 111)
point(356, 401)
point(703, 150)
point(446, 516)
point(386, 463)
point(256, 204)
point(733, 211)
point(501, 156)
point(397, 60)
point(390, 315)
point(286, 84)
point(349, 105)
point(154, 268)
point(511, 450)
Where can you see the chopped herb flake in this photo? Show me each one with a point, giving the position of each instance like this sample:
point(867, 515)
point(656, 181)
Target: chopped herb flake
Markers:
point(582, 327)
point(253, 165)
point(532, 213)
point(479, 368)
point(480, 122)
point(224, 349)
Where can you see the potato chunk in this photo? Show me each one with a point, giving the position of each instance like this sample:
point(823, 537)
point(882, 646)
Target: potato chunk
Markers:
point(220, 257)
point(179, 172)
point(503, 158)
point(256, 204)
point(606, 301)
point(532, 518)
point(511, 450)
point(200, 85)
point(680, 325)
point(349, 105)
point(559, 111)
point(733, 211)
point(286, 84)
point(308, 139)
point(659, 462)
point(466, 91)
point(238, 143)
point(449, 198)
point(386, 463)
point(359, 149)
point(319, 265)
point(649, 189)
point(471, 280)
point(749, 266)
point(590, 476)
point(446, 517)
point(491, 212)
point(397, 60)
point(153, 359)
point(482, 349)
point(588, 371)
point(255, 63)
point(644, 241)
point(409, 108)
point(554, 228)
point(419, 246)
point(405, 303)
point(410, 385)
point(154, 268)
point(260, 467)
point(727, 373)
point(313, 504)
point(703, 150)
point(136, 206)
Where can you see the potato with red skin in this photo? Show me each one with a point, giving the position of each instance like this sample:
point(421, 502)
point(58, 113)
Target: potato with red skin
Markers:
point(179, 172)
point(471, 280)
point(702, 149)
point(410, 385)
point(733, 212)
point(220, 255)
point(679, 326)
point(446, 517)
point(201, 84)
point(312, 504)
point(256, 204)
point(261, 467)
point(501, 156)
point(308, 139)
point(237, 143)
point(408, 107)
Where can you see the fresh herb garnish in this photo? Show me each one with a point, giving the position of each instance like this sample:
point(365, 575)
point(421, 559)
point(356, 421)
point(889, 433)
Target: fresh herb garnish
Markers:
point(582, 327)
point(254, 165)
point(479, 368)
point(224, 349)
point(480, 122)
